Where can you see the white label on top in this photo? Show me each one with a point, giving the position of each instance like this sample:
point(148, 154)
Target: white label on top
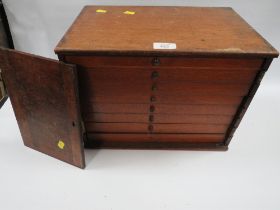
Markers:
point(164, 46)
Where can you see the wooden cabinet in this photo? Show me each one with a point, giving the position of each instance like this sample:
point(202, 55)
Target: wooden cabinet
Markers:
point(139, 77)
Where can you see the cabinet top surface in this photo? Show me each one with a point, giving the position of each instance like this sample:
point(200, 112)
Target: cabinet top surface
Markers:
point(135, 29)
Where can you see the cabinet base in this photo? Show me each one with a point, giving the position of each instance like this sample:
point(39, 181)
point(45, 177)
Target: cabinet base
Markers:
point(93, 144)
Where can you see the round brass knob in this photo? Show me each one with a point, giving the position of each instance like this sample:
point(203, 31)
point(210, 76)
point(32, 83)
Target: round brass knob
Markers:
point(153, 98)
point(154, 87)
point(151, 118)
point(152, 108)
point(150, 128)
point(155, 75)
point(156, 62)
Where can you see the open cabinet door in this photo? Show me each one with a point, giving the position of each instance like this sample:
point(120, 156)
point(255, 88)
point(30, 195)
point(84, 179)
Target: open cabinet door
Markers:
point(44, 96)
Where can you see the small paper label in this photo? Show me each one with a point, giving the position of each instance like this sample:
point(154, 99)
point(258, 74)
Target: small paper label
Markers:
point(60, 144)
point(101, 11)
point(129, 12)
point(164, 46)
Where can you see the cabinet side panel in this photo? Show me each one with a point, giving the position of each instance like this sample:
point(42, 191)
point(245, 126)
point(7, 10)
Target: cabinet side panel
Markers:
point(247, 100)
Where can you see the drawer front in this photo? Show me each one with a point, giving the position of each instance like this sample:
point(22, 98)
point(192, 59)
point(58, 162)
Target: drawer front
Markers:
point(117, 85)
point(162, 95)
point(160, 109)
point(155, 128)
point(96, 61)
point(168, 88)
point(88, 98)
point(128, 75)
point(157, 118)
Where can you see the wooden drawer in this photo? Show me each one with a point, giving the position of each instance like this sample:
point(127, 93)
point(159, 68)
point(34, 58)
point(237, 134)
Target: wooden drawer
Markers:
point(139, 74)
point(161, 109)
point(170, 88)
point(155, 128)
point(161, 99)
point(157, 118)
point(96, 61)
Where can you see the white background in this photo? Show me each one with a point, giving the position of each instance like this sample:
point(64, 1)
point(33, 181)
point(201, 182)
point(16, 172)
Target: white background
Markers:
point(246, 177)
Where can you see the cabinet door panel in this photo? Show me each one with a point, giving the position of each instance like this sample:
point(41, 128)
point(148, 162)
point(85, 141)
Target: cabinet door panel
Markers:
point(45, 100)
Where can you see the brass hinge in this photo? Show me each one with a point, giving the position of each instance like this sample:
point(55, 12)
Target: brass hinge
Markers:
point(3, 91)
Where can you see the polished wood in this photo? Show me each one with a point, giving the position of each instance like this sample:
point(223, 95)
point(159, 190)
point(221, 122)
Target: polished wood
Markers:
point(127, 86)
point(195, 30)
point(157, 118)
point(176, 88)
point(170, 61)
point(125, 94)
point(246, 101)
point(154, 128)
point(161, 109)
point(167, 99)
point(44, 96)
point(186, 74)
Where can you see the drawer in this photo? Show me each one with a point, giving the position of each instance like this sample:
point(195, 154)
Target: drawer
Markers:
point(96, 61)
point(137, 74)
point(155, 128)
point(134, 138)
point(157, 118)
point(165, 99)
point(164, 89)
point(161, 109)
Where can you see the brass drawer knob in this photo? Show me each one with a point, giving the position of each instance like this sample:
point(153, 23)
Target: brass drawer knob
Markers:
point(151, 118)
point(150, 128)
point(153, 98)
point(156, 62)
point(155, 74)
point(152, 108)
point(154, 87)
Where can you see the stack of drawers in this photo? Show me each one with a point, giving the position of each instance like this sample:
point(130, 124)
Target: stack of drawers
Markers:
point(161, 99)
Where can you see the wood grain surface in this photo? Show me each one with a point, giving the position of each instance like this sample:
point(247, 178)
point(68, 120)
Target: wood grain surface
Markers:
point(154, 128)
point(164, 61)
point(134, 96)
point(45, 100)
point(143, 75)
point(195, 31)
point(157, 118)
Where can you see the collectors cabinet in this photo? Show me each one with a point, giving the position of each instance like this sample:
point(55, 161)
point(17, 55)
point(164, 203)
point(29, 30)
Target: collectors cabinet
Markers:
point(139, 77)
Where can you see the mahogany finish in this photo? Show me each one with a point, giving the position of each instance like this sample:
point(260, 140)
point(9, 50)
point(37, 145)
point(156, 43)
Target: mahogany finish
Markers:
point(196, 31)
point(130, 95)
point(44, 96)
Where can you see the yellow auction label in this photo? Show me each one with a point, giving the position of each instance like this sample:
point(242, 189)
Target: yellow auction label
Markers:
point(60, 144)
point(129, 12)
point(101, 11)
